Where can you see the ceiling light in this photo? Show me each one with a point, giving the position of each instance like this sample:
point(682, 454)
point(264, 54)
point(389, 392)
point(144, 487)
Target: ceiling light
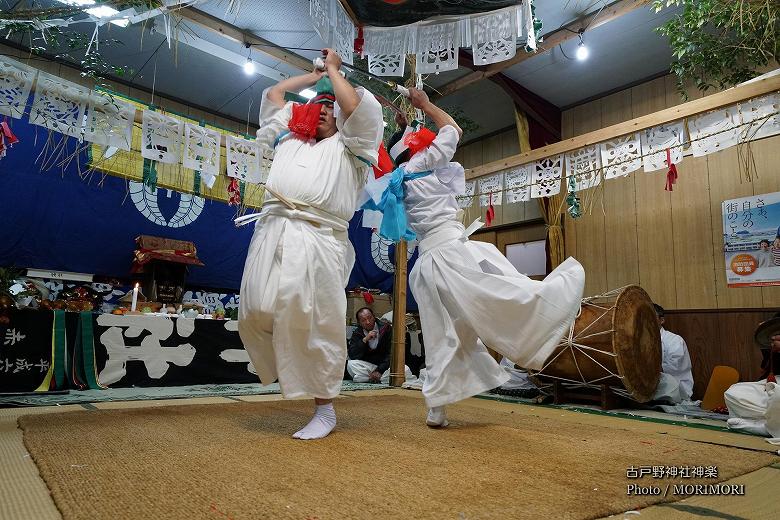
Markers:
point(77, 3)
point(249, 67)
point(582, 50)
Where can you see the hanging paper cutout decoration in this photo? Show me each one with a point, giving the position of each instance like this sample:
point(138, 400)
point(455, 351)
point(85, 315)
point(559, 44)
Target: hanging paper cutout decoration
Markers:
point(714, 131)
point(16, 80)
point(319, 11)
point(546, 180)
point(161, 137)
point(59, 105)
point(467, 200)
point(437, 47)
point(656, 140)
point(763, 115)
point(488, 185)
point(202, 149)
point(243, 159)
point(109, 121)
point(494, 36)
point(386, 50)
point(621, 156)
point(584, 167)
point(518, 184)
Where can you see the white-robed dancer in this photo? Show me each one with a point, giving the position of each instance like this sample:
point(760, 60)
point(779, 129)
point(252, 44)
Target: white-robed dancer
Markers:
point(468, 294)
point(293, 303)
point(755, 407)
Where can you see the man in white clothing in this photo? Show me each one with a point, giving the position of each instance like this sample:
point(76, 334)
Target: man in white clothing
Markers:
point(293, 303)
point(676, 383)
point(467, 292)
point(754, 407)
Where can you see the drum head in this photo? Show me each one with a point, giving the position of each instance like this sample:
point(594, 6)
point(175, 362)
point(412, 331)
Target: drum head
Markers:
point(766, 330)
point(637, 343)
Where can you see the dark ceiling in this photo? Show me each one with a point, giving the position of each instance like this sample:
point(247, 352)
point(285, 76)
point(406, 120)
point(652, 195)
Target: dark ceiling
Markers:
point(402, 12)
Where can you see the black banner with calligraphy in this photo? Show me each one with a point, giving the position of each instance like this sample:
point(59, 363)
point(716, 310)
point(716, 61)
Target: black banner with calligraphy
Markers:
point(25, 350)
point(148, 351)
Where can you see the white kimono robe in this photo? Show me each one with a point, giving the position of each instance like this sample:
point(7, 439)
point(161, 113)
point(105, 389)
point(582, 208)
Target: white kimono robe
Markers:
point(468, 292)
point(293, 304)
point(676, 382)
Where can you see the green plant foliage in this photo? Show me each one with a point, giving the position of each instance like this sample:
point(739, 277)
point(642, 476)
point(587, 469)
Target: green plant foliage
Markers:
point(720, 43)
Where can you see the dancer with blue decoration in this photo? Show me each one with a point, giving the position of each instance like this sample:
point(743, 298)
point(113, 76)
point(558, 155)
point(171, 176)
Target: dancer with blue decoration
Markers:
point(469, 295)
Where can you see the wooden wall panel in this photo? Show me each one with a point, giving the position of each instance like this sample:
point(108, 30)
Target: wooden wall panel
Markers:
point(719, 337)
point(668, 242)
point(692, 232)
point(725, 184)
point(523, 233)
point(590, 228)
point(654, 210)
point(619, 198)
point(484, 236)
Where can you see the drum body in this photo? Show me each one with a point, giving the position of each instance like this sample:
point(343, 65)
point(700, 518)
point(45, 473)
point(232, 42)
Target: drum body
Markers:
point(615, 341)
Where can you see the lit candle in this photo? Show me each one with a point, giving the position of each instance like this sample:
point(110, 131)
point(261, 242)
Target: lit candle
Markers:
point(135, 298)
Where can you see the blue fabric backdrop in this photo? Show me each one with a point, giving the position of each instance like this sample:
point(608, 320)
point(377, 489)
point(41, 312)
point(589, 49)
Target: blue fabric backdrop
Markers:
point(54, 220)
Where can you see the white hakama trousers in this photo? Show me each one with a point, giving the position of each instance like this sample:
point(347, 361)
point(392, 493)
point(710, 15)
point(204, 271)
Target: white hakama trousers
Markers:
point(293, 304)
point(466, 292)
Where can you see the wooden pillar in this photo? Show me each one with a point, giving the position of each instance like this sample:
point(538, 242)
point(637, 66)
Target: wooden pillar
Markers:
point(521, 122)
point(398, 349)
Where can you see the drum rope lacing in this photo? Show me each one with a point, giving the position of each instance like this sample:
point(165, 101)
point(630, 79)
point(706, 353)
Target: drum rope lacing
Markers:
point(571, 342)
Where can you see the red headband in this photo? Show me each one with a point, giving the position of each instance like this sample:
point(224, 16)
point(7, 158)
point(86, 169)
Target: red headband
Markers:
point(419, 140)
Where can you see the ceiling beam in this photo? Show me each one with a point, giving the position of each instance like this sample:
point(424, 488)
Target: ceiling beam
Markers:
point(549, 41)
point(537, 108)
point(231, 32)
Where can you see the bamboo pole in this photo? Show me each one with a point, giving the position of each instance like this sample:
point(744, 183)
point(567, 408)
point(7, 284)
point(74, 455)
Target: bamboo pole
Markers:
point(398, 348)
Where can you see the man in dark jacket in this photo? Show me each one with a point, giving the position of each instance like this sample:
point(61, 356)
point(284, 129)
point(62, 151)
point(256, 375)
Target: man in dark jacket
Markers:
point(369, 349)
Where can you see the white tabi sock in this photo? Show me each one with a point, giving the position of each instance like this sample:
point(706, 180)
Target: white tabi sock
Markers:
point(321, 424)
point(437, 417)
point(754, 426)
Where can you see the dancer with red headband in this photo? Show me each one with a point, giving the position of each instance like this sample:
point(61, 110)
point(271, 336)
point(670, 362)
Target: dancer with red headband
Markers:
point(293, 303)
point(467, 292)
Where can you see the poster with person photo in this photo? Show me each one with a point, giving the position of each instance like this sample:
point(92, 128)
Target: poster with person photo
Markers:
point(751, 240)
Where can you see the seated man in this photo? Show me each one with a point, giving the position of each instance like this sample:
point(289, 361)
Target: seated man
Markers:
point(676, 383)
point(755, 407)
point(369, 350)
